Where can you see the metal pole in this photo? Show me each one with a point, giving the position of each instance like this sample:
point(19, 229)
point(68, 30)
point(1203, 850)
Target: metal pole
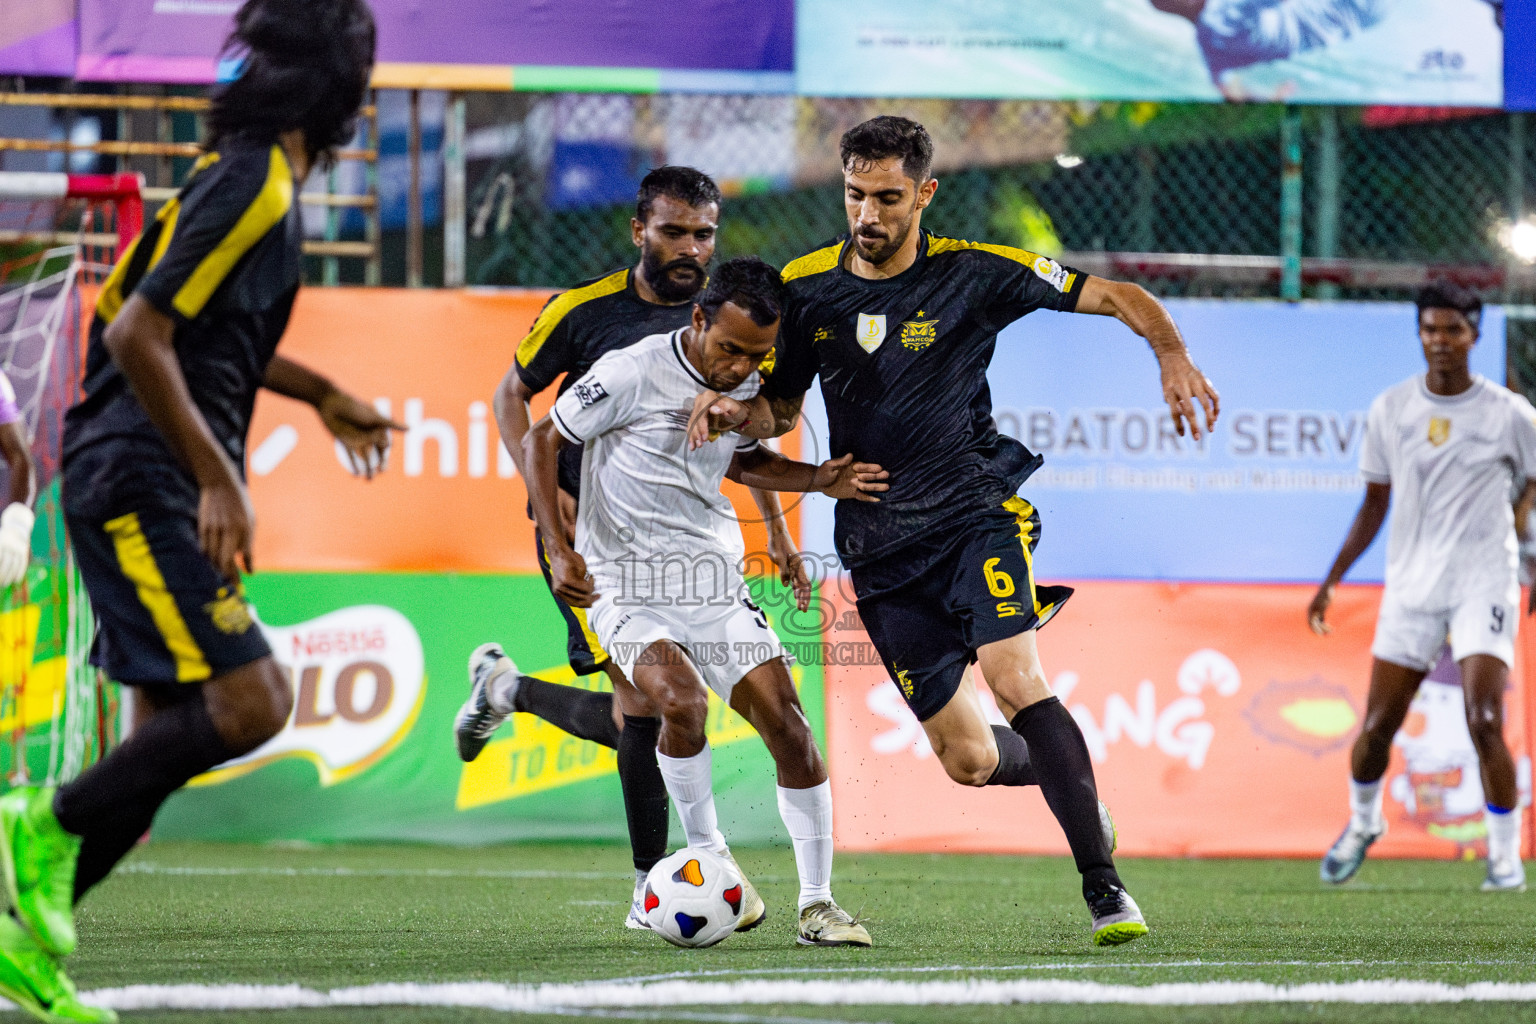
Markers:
point(1326, 221)
point(453, 192)
point(372, 271)
point(1290, 204)
point(413, 197)
point(1144, 215)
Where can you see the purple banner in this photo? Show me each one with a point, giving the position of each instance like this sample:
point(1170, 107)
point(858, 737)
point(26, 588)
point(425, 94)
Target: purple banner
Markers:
point(179, 40)
point(37, 37)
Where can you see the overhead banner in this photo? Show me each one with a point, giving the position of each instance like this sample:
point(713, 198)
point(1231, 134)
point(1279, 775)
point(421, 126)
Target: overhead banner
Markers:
point(1267, 497)
point(610, 45)
point(1423, 52)
point(1520, 55)
point(1218, 725)
point(37, 37)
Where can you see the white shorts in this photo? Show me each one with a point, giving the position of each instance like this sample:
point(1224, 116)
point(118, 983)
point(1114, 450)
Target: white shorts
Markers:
point(1482, 625)
point(723, 641)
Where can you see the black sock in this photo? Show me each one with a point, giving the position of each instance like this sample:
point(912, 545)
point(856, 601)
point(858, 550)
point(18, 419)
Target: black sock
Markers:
point(114, 802)
point(585, 714)
point(1013, 767)
point(645, 793)
point(1065, 770)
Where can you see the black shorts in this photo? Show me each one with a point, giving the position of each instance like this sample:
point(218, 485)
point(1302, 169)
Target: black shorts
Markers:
point(164, 614)
point(979, 588)
point(582, 648)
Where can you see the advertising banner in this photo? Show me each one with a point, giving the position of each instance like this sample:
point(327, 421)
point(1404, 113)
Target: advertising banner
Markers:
point(469, 44)
point(38, 37)
point(451, 500)
point(378, 669)
point(1267, 497)
point(1218, 724)
point(1430, 52)
point(1520, 55)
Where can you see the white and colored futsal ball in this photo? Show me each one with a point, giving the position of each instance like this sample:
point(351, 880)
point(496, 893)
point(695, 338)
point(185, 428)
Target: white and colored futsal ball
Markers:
point(693, 898)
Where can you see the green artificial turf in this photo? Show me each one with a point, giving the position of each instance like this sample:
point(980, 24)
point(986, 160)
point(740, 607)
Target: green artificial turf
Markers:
point(326, 917)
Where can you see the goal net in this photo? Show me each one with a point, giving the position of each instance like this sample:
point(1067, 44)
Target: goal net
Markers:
point(59, 234)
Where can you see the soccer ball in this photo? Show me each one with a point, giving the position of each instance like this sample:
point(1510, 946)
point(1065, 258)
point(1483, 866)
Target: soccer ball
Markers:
point(693, 898)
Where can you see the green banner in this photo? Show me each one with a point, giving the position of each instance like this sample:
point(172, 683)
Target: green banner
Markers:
point(378, 663)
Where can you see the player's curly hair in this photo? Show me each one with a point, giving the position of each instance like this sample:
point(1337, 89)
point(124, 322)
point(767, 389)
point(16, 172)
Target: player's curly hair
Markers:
point(684, 184)
point(1450, 295)
point(886, 136)
point(306, 64)
point(748, 282)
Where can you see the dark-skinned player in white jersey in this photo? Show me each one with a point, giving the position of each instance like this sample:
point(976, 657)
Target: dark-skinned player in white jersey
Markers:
point(900, 325)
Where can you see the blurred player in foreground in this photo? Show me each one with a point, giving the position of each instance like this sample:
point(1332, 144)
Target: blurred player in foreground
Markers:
point(677, 214)
point(184, 334)
point(1448, 445)
point(17, 519)
point(900, 324)
point(657, 559)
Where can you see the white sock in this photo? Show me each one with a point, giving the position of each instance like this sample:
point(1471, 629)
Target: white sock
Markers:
point(1365, 805)
point(1503, 834)
point(807, 814)
point(501, 692)
point(691, 786)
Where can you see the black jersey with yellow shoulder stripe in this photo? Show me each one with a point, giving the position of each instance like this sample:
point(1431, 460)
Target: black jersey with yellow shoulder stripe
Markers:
point(903, 366)
point(577, 327)
point(223, 261)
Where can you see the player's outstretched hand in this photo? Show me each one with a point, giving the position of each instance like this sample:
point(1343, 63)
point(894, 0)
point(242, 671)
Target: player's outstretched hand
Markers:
point(362, 430)
point(1186, 389)
point(568, 573)
point(843, 478)
point(15, 542)
point(792, 573)
point(1318, 609)
point(226, 526)
point(713, 415)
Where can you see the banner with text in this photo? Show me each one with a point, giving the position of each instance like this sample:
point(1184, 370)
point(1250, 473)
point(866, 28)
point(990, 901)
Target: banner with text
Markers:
point(1418, 52)
point(1218, 724)
point(1267, 497)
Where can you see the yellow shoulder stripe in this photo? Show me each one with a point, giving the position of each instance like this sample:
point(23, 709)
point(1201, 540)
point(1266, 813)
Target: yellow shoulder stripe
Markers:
point(528, 348)
point(110, 301)
point(270, 206)
point(1032, 260)
point(818, 262)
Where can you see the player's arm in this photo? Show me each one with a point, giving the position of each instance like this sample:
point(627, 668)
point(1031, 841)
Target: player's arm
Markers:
point(837, 478)
point(140, 342)
point(361, 429)
point(513, 418)
point(543, 355)
point(781, 546)
point(17, 519)
point(1373, 512)
point(1184, 386)
point(541, 455)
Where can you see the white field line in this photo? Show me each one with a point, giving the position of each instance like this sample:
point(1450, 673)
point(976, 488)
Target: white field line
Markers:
point(151, 868)
point(848, 992)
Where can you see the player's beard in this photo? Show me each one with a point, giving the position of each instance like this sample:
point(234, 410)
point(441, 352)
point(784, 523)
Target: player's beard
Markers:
point(876, 250)
point(667, 288)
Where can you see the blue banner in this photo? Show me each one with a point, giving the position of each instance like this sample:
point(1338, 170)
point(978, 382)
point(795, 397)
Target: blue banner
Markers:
point(1520, 54)
point(1267, 497)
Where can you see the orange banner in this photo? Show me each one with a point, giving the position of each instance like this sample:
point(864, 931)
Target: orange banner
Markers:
point(451, 500)
point(1219, 725)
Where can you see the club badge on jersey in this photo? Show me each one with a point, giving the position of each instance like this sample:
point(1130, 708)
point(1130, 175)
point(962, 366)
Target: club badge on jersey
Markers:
point(1439, 430)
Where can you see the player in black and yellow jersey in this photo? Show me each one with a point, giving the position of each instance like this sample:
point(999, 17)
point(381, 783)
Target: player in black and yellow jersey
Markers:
point(676, 216)
point(185, 332)
point(900, 325)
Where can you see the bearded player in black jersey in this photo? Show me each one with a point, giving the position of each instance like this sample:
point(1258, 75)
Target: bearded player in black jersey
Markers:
point(900, 324)
point(677, 213)
point(185, 332)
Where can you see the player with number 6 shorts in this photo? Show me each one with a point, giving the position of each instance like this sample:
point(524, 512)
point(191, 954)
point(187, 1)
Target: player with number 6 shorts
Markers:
point(1448, 447)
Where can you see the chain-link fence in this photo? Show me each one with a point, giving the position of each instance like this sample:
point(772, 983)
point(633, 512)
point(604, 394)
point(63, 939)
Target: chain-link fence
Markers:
point(552, 180)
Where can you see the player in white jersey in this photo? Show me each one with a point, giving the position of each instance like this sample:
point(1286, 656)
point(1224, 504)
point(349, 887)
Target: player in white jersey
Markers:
point(1450, 447)
point(658, 553)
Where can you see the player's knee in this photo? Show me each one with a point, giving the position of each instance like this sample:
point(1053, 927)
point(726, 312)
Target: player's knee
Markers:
point(970, 764)
point(1486, 724)
point(250, 705)
point(685, 707)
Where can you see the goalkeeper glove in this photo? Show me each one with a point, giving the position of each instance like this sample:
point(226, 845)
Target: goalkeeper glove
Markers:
point(15, 542)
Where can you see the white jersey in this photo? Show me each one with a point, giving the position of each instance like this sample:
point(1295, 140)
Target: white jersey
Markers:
point(651, 510)
point(1453, 463)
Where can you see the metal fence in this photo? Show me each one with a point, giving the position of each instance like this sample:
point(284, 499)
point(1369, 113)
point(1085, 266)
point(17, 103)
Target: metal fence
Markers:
point(1370, 201)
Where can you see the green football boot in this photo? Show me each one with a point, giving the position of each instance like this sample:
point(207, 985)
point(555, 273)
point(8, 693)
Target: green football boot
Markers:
point(35, 982)
point(37, 858)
